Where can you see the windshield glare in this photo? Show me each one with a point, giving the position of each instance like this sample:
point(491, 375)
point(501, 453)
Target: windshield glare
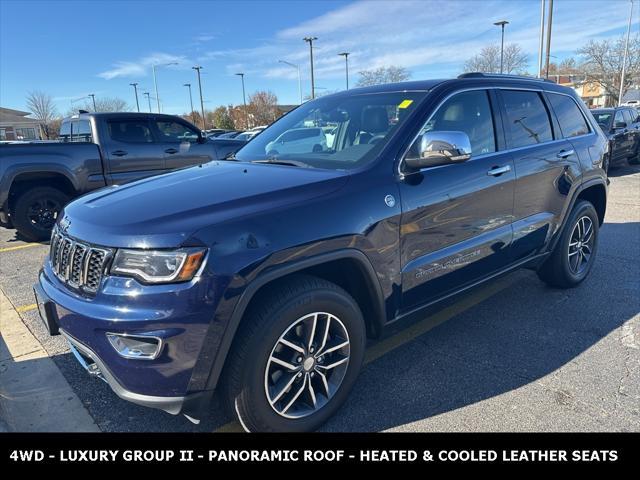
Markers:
point(333, 132)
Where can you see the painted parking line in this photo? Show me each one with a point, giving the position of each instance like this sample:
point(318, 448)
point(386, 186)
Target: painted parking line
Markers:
point(389, 344)
point(20, 247)
point(26, 308)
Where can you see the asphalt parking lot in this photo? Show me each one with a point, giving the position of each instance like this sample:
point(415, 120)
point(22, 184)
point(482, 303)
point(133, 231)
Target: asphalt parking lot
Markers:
point(513, 355)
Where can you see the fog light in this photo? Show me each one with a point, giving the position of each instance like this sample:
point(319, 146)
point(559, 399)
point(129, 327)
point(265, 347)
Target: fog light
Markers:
point(135, 346)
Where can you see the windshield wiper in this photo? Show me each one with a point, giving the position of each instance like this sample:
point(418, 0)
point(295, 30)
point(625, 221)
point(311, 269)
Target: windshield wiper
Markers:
point(278, 161)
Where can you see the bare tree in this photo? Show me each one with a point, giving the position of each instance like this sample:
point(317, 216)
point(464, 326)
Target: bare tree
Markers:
point(390, 74)
point(263, 108)
point(488, 60)
point(42, 106)
point(103, 104)
point(602, 63)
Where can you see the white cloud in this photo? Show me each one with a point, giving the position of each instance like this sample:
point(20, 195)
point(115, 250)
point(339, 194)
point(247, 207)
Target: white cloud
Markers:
point(142, 66)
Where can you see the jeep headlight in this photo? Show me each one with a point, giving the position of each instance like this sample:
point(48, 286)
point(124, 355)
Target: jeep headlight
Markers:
point(158, 266)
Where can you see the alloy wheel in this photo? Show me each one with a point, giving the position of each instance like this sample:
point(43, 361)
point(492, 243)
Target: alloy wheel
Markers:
point(581, 245)
point(307, 365)
point(43, 212)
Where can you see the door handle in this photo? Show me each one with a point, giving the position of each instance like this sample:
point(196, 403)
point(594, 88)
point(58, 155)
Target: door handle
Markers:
point(565, 153)
point(497, 171)
point(119, 153)
point(171, 151)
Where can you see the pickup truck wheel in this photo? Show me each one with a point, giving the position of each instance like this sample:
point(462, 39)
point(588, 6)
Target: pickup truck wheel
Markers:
point(574, 254)
point(297, 357)
point(36, 210)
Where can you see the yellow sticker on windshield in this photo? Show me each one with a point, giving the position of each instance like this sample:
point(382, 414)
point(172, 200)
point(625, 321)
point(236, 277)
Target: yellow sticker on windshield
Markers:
point(405, 103)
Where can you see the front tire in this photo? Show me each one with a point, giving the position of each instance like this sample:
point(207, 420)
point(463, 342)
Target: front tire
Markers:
point(36, 210)
point(296, 356)
point(574, 254)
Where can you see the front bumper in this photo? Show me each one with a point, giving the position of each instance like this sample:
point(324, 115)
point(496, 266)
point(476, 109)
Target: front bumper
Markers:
point(91, 362)
point(179, 314)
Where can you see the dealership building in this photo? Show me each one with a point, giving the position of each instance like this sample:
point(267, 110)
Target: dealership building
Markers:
point(16, 125)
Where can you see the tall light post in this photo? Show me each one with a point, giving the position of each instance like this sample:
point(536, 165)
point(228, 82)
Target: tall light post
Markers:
point(626, 53)
point(297, 67)
point(93, 97)
point(346, 65)
point(549, 23)
point(135, 89)
point(146, 94)
point(155, 80)
point(188, 85)
point(501, 24)
point(310, 40)
point(244, 101)
point(197, 68)
point(541, 48)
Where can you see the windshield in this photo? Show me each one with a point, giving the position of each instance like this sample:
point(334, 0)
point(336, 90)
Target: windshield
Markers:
point(343, 132)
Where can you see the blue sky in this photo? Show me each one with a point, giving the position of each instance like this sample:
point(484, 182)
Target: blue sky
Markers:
point(72, 48)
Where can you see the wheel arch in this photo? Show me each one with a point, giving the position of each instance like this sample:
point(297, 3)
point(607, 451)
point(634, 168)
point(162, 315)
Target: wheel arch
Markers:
point(22, 181)
point(337, 267)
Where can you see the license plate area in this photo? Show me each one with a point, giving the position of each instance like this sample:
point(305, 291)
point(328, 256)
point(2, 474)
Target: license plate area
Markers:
point(47, 311)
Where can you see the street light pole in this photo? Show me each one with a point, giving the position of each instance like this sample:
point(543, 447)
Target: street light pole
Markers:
point(346, 65)
point(93, 97)
point(244, 100)
point(549, 22)
point(624, 58)
point(135, 89)
point(297, 67)
point(155, 80)
point(310, 40)
point(501, 24)
point(197, 68)
point(188, 85)
point(148, 100)
point(541, 49)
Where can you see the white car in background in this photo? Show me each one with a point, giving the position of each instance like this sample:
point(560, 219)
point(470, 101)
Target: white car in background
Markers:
point(298, 140)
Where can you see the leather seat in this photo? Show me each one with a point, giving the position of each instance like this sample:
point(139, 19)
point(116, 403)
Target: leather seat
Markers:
point(375, 121)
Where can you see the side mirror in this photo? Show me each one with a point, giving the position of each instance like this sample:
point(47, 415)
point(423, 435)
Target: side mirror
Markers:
point(432, 149)
point(618, 125)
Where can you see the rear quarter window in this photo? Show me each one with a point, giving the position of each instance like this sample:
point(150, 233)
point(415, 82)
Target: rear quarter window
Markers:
point(572, 122)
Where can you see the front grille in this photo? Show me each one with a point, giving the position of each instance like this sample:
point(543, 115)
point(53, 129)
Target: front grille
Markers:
point(77, 264)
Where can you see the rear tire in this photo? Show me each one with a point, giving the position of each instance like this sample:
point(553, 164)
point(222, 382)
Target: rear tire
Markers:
point(36, 210)
point(574, 254)
point(267, 395)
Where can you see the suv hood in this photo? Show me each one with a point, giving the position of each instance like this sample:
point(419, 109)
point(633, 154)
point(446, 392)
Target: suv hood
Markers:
point(164, 211)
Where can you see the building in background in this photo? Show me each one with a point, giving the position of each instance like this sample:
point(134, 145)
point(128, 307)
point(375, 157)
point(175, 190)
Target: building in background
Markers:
point(16, 125)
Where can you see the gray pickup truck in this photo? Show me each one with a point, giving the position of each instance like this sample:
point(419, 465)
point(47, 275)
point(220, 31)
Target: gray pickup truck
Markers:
point(95, 150)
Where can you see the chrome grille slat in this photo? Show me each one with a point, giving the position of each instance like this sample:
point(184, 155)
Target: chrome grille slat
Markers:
point(77, 264)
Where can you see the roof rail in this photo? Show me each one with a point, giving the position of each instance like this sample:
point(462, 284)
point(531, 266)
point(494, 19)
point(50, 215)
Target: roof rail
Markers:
point(502, 75)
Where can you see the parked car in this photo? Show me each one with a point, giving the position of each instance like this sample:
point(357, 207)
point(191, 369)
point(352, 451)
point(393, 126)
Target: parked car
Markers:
point(245, 136)
point(264, 276)
point(298, 140)
point(231, 134)
point(215, 132)
point(621, 125)
point(95, 149)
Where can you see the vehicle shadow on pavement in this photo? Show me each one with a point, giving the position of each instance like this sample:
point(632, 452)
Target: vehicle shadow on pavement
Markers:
point(519, 336)
point(623, 170)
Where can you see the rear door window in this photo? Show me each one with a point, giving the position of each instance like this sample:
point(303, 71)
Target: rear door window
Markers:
point(527, 119)
point(175, 132)
point(130, 131)
point(570, 118)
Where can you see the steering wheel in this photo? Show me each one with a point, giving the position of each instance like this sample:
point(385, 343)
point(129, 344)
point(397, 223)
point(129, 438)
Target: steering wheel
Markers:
point(376, 138)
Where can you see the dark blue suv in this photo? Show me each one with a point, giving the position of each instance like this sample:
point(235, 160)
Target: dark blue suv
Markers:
point(263, 275)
